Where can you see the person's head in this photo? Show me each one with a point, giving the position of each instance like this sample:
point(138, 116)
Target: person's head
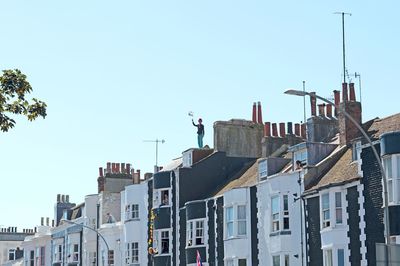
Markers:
point(200, 120)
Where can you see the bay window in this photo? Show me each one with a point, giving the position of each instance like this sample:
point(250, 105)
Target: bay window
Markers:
point(235, 221)
point(195, 232)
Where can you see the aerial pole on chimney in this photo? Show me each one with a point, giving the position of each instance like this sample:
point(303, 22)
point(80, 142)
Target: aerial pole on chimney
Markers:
point(344, 45)
point(156, 141)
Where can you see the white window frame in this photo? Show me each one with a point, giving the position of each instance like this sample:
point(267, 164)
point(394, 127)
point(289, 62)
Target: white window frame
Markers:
point(300, 155)
point(281, 213)
point(328, 257)
point(235, 221)
point(131, 253)
point(276, 257)
point(111, 257)
point(332, 253)
point(157, 244)
point(11, 252)
point(158, 197)
point(392, 171)
point(58, 253)
point(192, 229)
point(325, 222)
point(75, 254)
point(338, 207)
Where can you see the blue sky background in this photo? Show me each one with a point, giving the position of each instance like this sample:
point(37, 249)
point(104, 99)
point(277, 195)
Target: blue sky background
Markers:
point(115, 73)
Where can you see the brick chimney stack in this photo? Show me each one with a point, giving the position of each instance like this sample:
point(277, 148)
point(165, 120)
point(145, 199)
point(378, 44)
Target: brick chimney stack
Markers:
point(254, 115)
point(259, 113)
point(313, 102)
point(348, 131)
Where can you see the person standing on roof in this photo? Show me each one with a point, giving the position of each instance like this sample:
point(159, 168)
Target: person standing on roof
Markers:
point(200, 132)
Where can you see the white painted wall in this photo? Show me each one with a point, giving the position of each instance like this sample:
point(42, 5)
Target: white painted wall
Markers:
point(135, 230)
point(89, 236)
point(268, 246)
point(5, 246)
point(33, 243)
point(112, 233)
point(238, 247)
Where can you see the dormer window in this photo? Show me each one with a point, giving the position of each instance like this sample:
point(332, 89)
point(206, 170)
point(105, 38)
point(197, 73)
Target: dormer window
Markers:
point(262, 169)
point(301, 156)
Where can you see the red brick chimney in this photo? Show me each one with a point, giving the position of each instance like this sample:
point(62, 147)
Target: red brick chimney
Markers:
point(347, 130)
point(337, 101)
point(274, 130)
point(267, 129)
point(344, 92)
point(352, 92)
point(329, 110)
point(321, 109)
point(313, 102)
point(303, 130)
point(282, 130)
point(297, 129)
point(254, 117)
point(259, 113)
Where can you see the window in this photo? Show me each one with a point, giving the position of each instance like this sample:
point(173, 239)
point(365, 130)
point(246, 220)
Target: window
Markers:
point(275, 213)
point(132, 211)
point(387, 162)
point(58, 253)
point(199, 233)
point(32, 258)
point(262, 169)
point(340, 256)
point(325, 210)
point(11, 254)
point(229, 221)
point(161, 197)
point(287, 260)
point(42, 256)
point(164, 242)
point(189, 234)
point(338, 208)
point(229, 262)
point(285, 212)
point(75, 253)
point(111, 257)
point(328, 257)
point(242, 262)
point(235, 220)
point(241, 219)
point(131, 253)
point(276, 260)
point(92, 258)
point(301, 156)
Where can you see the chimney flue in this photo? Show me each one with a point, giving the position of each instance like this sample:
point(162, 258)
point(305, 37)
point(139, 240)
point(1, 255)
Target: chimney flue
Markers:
point(254, 117)
point(101, 171)
point(47, 221)
point(282, 130)
point(67, 198)
point(117, 168)
point(321, 109)
point(108, 167)
point(274, 130)
point(297, 129)
point(290, 128)
point(352, 92)
point(58, 197)
point(267, 129)
point(128, 168)
point(313, 102)
point(344, 92)
point(259, 113)
point(303, 130)
point(329, 110)
point(337, 101)
point(41, 221)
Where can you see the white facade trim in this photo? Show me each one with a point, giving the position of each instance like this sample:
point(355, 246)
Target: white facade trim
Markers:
point(361, 214)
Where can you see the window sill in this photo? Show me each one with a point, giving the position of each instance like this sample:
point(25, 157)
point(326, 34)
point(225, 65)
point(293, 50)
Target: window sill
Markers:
point(196, 246)
point(235, 237)
point(132, 220)
point(162, 255)
point(279, 233)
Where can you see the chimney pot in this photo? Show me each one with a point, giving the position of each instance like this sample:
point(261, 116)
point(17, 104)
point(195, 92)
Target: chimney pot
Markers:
point(344, 92)
point(117, 168)
point(67, 198)
point(313, 102)
point(101, 171)
point(41, 221)
point(108, 167)
point(321, 109)
point(267, 129)
point(259, 113)
point(352, 92)
point(337, 101)
point(128, 168)
point(254, 117)
point(274, 130)
point(303, 130)
point(297, 129)
point(138, 172)
point(63, 198)
point(290, 128)
point(329, 110)
point(113, 168)
point(58, 197)
point(282, 130)
point(123, 168)
point(47, 221)
point(52, 223)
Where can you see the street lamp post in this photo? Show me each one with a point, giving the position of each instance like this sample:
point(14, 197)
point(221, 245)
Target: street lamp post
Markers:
point(377, 157)
point(94, 230)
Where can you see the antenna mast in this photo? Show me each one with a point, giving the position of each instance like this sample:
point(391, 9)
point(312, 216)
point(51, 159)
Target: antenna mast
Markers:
point(156, 141)
point(344, 45)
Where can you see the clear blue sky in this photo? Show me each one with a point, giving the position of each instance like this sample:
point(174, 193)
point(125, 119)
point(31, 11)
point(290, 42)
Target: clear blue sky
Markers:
point(115, 73)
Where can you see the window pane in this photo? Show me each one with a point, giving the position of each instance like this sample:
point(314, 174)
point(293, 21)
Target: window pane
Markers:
point(340, 254)
point(387, 162)
point(285, 203)
point(325, 201)
point(339, 218)
point(338, 199)
point(229, 229)
point(328, 257)
point(241, 212)
point(275, 204)
point(286, 260)
point(276, 261)
point(286, 223)
point(390, 190)
point(229, 214)
point(241, 227)
point(242, 262)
